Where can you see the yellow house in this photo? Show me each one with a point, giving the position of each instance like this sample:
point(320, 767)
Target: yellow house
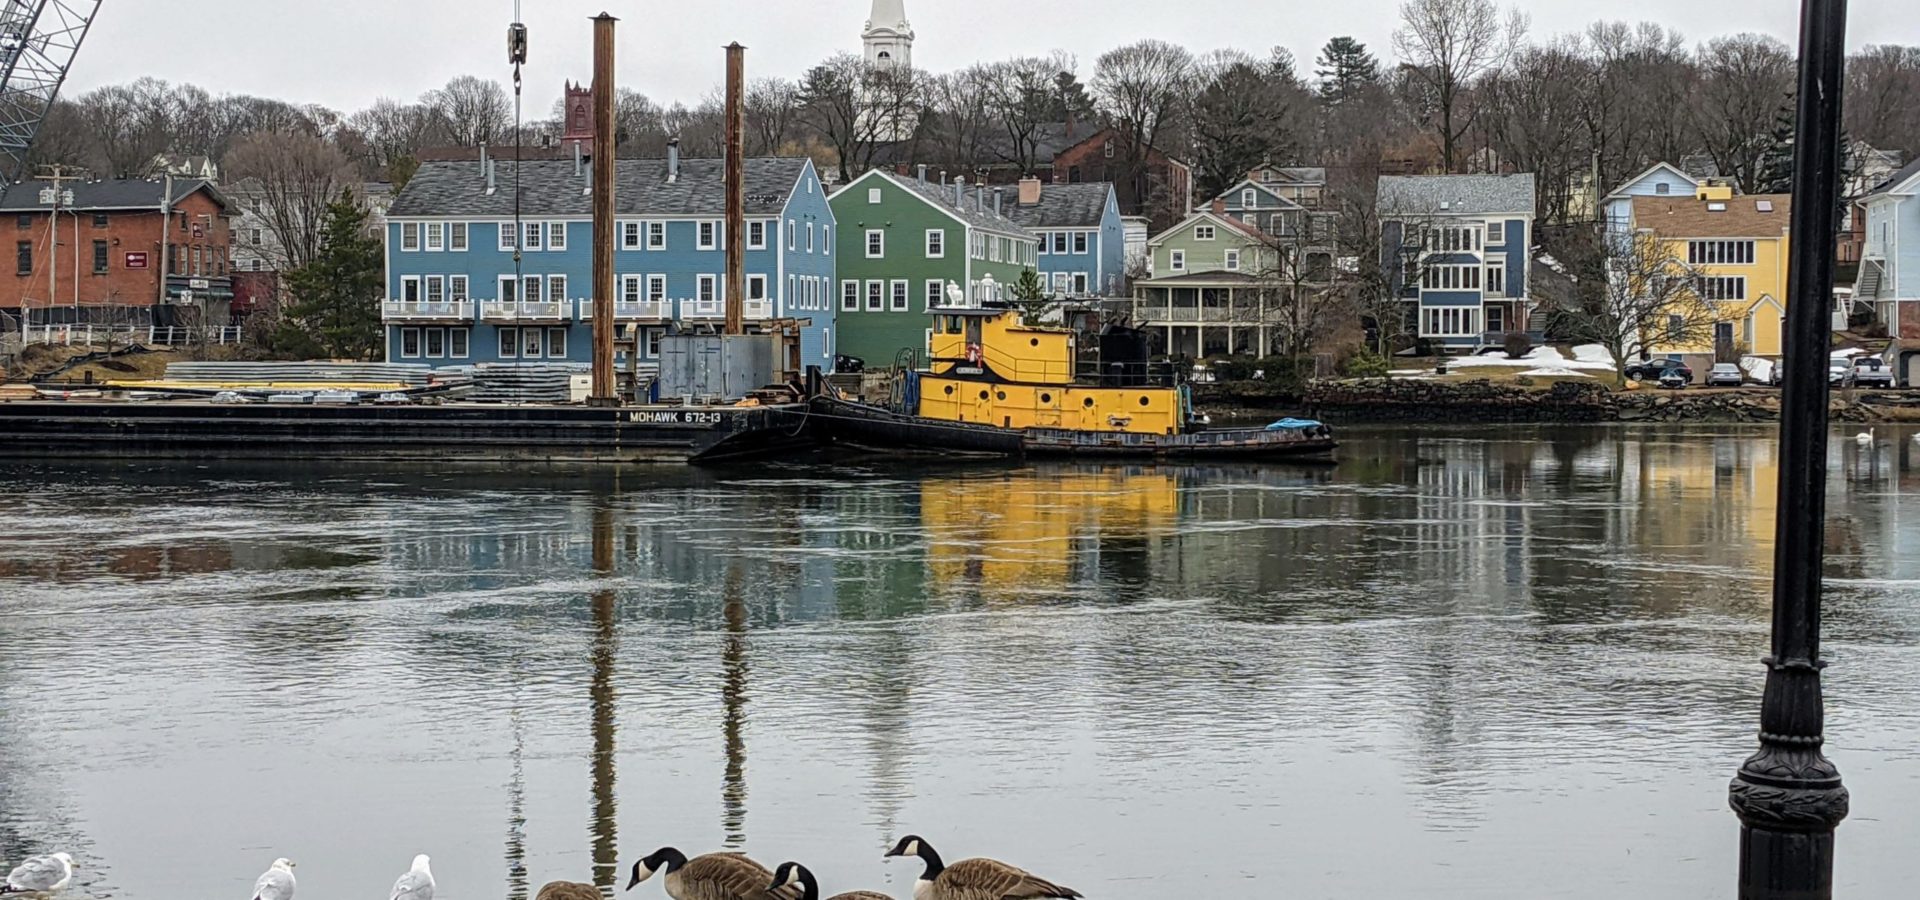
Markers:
point(1738, 246)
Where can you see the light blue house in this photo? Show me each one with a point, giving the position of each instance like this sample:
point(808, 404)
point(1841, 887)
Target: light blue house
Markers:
point(1265, 207)
point(1890, 265)
point(1083, 243)
point(457, 297)
point(1457, 248)
point(1662, 180)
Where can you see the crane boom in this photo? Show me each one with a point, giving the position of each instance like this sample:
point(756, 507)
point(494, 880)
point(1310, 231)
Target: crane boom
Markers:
point(38, 42)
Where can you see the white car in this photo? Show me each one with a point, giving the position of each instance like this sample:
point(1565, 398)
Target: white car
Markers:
point(1725, 375)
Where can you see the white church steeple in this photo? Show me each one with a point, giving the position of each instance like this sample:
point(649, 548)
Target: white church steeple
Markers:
point(889, 37)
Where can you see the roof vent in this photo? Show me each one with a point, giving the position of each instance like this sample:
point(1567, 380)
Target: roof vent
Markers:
point(1445, 205)
point(1764, 205)
point(1716, 207)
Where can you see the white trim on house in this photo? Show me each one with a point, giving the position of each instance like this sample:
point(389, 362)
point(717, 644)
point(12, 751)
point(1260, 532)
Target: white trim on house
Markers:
point(1620, 193)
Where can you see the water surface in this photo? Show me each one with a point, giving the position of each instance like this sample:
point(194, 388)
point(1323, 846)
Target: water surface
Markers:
point(1498, 663)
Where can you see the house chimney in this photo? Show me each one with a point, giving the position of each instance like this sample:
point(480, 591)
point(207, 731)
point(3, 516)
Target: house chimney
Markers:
point(1220, 206)
point(980, 196)
point(923, 173)
point(673, 161)
point(1029, 191)
point(997, 195)
point(577, 168)
point(960, 191)
point(483, 154)
point(943, 178)
point(486, 165)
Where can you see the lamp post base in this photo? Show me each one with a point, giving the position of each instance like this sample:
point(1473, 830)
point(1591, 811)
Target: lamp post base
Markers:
point(1789, 800)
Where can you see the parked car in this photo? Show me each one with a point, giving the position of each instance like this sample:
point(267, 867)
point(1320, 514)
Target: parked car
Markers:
point(1655, 369)
point(1870, 371)
point(1726, 375)
point(1779, 374)
point(1837, 372)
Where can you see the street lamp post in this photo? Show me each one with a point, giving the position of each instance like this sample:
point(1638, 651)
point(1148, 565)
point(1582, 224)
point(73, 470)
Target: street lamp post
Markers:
point(1788, 795)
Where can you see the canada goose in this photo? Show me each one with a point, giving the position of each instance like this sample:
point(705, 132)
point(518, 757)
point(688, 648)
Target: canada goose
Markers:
point(713, 876)
point(39, 875)
point(276, 883)
point(793, 874)
point(417, 884)
point(973, 879)
point(568, 890)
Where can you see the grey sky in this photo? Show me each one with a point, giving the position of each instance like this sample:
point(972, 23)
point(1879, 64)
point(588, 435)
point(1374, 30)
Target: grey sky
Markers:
point(345, 53)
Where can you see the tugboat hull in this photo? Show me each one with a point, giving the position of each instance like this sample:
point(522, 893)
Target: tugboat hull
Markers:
point(860, 424)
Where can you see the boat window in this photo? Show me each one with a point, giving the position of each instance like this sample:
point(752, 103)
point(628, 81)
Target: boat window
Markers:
point(1089, 402)
point(1144, 401)
point(1046, 398)
point(973, 331)
point(1000, 395)
point(1035, 342)
point(949, 390)
point(984, 395)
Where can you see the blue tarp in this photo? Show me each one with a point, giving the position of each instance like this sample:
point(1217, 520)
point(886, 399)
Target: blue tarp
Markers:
point(1291, 424)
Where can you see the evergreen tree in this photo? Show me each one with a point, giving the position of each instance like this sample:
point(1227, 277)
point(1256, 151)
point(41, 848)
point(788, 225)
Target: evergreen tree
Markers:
point(1344, 67)
point(1071, 100)
point(1031, 298)
point(1775, 173)
point(336, 297)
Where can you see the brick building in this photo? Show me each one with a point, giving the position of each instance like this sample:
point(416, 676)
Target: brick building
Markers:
point(1161, 189)
point(116, 253)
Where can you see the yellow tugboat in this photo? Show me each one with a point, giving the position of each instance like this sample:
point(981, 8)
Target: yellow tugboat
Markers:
point(997, 385)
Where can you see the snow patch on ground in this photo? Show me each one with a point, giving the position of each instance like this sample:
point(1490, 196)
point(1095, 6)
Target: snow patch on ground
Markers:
point(1556, 372)
point(1540, 357)
point(1593, 353)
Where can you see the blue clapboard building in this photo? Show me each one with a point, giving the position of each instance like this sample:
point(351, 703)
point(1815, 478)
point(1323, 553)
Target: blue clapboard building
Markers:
point(456, 296)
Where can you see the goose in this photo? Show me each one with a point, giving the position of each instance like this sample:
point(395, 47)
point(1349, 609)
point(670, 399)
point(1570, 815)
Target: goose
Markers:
point(974, 879)
point(713, 876)
point(277, 883)
point(793, 874)
point(417, 884)
point(40, 875)
point(568, 890)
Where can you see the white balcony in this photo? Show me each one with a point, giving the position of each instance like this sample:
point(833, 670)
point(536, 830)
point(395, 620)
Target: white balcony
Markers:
point(525, 311)
point(426, 311)
point(631, 310)
point(703, 309)
point(758, 310)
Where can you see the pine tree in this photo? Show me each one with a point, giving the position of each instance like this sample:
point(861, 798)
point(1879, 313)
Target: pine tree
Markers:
point(336, 297)
point(1031, 298)
point(1775, 172)
point(1344, 67)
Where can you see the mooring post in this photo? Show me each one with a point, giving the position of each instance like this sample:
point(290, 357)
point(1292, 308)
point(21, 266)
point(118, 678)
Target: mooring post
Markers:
point(1788, 795)
point(604, 155)
point(737, 191)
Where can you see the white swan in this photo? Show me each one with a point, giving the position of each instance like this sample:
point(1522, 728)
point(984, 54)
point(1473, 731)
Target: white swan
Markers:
point(1864, 438)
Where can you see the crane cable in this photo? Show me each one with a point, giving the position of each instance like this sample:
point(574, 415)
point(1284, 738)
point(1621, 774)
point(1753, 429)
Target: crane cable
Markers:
point(519, 229)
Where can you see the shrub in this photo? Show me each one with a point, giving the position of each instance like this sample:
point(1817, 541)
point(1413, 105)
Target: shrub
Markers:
point(1232, 368)
point(1366, 364)
point(1518, 345)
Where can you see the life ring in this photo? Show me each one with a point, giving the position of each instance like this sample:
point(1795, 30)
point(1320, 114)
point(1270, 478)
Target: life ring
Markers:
point(974, 356)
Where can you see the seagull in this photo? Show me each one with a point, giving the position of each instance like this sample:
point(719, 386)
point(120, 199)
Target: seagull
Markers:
point(417, 884)
point(276, 883)
point(40, 875)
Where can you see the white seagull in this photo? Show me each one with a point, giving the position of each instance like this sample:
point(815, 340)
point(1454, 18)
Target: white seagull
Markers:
point(277, 883)
point(40, 875)
point(417, 884)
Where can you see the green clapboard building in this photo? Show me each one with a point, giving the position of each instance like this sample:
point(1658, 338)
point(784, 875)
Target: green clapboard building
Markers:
point(904, 242)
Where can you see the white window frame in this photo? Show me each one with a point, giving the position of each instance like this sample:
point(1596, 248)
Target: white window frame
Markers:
point(458, 288)
point(1205, 232)
point(557, 236)
point(1497, 232)
point(826, 240)
point(632, 288)
point(1496, 264)
point(900, 296)
point(793, 236)
point(656, 235)
point(436, 237)
point(849, 295)
point(1046, 243)
point(1734, 288)
point(557, 288)
point(457, 236)
point(879, 237)
point(759, 282)
point(630, 235)
point(561, 335)
point(459, 343)
point(532, 343)
point(874, 197)
point(653, 342)
point(426, 343)
point(657, 288)
point(1231, 259)
point(435, 289)
point(534, 237)
point(533, 288)
point(707, 289)
point(509, 343)
point(1080, 242)
point(1176, 260)
point(810, 237)
point(1080, 282)
point(936, 243)
point(410, 288)
point(876, 295)
point(936, 292)
point(706, 235)
point(508, 235)
point(410, 335)
point(409, 237)
point(1060, 243)
point(757, 234)
point(507, 289)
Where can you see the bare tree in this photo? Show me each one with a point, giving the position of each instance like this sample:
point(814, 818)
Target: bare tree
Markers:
point(288, 180)
point(473, 110)
point(1143, 89)
point(1641, 297)
point(855, 107)
point(1447, 45)
point(1882, 82)
point(962, 116)
point(392, 129)
point(1303, 296)
point(1244, 112)
point(1025, 97)
point(1746, 82)
point(1525, 117)
point(772, 105)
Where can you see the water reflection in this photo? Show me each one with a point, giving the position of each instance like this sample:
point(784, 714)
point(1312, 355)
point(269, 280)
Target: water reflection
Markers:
point(1453, 644)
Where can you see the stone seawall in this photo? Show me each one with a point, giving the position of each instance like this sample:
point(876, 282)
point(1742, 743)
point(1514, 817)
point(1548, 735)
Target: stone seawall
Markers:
point(1443, 402)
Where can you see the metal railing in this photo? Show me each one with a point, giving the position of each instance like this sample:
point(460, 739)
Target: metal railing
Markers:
point(148, 335)
point(440, 310)
point(525, 310)
point(631, 309)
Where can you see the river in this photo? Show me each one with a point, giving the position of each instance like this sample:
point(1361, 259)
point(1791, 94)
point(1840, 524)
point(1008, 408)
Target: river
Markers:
point(1488, 663)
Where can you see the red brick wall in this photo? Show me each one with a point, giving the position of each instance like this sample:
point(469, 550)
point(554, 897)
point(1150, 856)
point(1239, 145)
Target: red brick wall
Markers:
point(125, 232)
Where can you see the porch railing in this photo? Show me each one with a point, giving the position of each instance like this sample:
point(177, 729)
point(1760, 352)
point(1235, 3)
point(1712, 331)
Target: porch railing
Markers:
point(525, 310)
point(427, 310)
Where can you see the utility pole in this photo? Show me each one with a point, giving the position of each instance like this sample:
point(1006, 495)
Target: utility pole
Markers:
point(164, 264)
point(604, 153)
point(737, 191)
point(1788, 795)
point(57, 195)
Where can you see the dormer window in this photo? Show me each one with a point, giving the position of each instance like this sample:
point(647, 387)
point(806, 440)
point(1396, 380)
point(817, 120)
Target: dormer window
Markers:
point(1247, 199)
point(1663, 188)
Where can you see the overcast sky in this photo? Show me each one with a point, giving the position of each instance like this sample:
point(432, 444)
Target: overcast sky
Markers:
point(346, 53)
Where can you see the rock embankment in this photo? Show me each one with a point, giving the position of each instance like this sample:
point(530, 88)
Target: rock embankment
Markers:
point(1410, 400)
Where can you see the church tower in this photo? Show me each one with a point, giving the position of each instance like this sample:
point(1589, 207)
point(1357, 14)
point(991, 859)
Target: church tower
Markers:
point(889, 38)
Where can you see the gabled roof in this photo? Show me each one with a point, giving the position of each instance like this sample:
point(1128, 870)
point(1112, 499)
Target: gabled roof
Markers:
point(1456, 195)
point(551, 188)
point(976, 211)
point(106, 196)
point(1232, 195)
point(1621, 191)
point(1298, 174)
point(1225, 221)
point(1081, 205)
point(1898, 180)
point(1686, 217)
